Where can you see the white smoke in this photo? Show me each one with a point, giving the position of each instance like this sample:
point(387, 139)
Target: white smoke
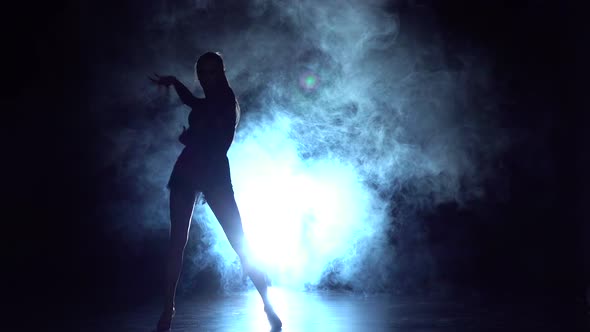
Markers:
point(343, 107)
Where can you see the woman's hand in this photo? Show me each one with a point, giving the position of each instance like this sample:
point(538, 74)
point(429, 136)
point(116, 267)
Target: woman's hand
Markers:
point(185, 95)
point(162, 80)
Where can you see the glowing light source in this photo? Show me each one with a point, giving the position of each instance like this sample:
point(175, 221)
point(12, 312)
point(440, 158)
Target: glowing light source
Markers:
point(298, 215)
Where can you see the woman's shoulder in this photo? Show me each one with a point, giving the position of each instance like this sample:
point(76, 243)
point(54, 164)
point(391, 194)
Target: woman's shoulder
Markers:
point(227, 99)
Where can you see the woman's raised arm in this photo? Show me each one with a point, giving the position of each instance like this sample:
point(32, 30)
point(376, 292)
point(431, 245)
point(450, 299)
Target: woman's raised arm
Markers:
point(183, 92)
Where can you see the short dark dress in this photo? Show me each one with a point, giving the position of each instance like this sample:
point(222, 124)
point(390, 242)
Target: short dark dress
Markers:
point(202, 165)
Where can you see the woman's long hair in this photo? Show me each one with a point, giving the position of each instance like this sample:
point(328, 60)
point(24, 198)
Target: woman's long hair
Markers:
point(224, 89)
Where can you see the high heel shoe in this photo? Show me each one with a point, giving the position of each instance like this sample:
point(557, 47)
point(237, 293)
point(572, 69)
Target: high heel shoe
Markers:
point(273, 319)
point(165, 321)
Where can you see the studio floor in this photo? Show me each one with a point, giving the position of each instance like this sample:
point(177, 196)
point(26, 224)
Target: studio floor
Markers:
point(330, 311)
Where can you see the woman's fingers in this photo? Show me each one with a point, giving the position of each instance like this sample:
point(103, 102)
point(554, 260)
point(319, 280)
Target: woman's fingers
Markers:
point(156, 78)
point(161, 80)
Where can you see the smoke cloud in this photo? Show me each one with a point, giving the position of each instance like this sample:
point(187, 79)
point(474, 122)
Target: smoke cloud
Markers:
point(352, 122)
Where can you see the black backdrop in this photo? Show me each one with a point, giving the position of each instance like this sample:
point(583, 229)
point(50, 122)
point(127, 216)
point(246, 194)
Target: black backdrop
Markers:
point(59, 254)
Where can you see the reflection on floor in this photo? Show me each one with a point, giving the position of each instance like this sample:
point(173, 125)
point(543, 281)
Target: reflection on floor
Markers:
point(337, 312)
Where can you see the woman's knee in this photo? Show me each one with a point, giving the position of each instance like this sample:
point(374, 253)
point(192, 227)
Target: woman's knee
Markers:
point(176, 249)
point(181, 211)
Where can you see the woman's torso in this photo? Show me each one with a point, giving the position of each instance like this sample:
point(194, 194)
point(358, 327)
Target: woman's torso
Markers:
point(212, 123)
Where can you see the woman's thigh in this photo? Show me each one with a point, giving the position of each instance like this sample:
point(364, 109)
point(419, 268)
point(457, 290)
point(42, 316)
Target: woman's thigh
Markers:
point(182, 202)
point(223, 204)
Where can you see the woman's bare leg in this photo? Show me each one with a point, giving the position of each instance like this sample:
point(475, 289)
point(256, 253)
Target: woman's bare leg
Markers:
point(181, 210)
point(223, 205)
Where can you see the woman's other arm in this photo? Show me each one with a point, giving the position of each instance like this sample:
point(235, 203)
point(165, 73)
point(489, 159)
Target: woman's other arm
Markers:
point(183, 92)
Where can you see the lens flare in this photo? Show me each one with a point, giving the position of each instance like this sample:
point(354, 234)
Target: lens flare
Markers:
point(308, 81)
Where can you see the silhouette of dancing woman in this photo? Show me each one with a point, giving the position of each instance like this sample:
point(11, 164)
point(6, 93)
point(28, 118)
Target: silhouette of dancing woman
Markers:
point(203, 169)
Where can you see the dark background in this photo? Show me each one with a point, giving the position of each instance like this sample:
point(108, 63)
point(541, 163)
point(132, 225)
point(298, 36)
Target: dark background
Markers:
point(59, 255)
